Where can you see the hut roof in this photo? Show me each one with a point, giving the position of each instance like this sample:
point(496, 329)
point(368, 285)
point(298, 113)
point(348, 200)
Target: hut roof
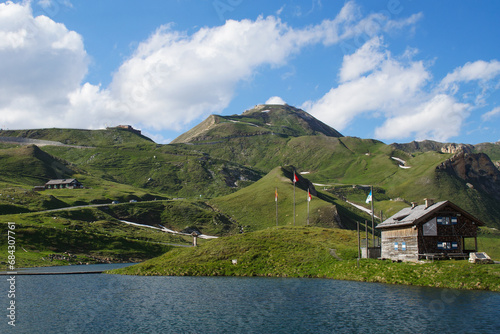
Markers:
point(61, 181)
point(420, 213)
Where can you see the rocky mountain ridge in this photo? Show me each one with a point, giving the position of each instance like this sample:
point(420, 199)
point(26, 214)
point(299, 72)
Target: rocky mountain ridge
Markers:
point(260, 120)
point(476, 169)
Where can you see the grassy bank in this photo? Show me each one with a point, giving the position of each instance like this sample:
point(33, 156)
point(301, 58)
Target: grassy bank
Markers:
point(81, 236)
point(310, 252)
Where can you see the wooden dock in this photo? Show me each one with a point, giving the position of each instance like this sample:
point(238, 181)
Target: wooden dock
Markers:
point(19, 273)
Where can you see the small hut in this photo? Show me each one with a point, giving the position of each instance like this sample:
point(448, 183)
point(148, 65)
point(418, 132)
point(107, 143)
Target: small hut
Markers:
point(63, 184)
point(433, 230)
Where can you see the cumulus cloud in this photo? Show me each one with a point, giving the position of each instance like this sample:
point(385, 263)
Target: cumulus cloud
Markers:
point(365, 59)
point(439, 118)
point(382, 84)
point(173, 77)
point(400, 91)
point(275, 100)
point(41, 61)
point(478, 70)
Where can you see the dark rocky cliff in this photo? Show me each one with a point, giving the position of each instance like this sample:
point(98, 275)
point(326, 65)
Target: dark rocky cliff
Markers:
point(476, 169)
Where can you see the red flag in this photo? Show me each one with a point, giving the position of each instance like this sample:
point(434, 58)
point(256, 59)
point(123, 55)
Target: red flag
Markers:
point(295, 178)
point(276, 195)
point(309, 198)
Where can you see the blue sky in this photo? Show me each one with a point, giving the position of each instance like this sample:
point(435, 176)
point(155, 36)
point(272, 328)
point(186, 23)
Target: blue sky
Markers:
point(393, 70)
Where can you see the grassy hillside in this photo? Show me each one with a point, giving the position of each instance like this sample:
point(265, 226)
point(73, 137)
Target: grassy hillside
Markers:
point(171, 170)
point(254, 207)
point(98, 233)
point(278, 251)
point(225, 169)
point(491, 149)
point(310, 252)
point(261, 120)
point(89, 235)
point(29, 165)
point(98, 138)
point(353, 161)
point(177, 215)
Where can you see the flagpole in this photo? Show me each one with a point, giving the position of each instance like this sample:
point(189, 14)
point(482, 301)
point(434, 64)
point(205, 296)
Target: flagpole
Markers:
point(308, 200)
point(293, 198)
point(373, 219)
point(294, 181)
point(276, 199)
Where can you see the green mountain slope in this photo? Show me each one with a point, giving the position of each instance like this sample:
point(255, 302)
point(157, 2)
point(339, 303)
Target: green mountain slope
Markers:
point(99, 138)
point(261, 120)
point(31, 165)
point(254, 207)
point(171, 170)
point(227, 155)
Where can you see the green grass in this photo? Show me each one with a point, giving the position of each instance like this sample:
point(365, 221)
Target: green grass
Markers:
point(489, 241)
point(229, 174)
point(108, 137)
point(254, 207)
point(90, 234)
point(177, 215)
point(96, 232)
point(311, 252)
point(281, 251)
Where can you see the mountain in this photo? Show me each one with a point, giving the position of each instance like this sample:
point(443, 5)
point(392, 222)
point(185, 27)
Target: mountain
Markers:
point(262, 120)
point(231, 159)
point(220, 178)
point(98, 138)
point(30, 164)
point(401, 173)
point(250, 205)
point(491, 149)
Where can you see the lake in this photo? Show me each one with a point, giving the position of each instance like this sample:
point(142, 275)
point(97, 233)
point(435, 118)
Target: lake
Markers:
point(99, 303)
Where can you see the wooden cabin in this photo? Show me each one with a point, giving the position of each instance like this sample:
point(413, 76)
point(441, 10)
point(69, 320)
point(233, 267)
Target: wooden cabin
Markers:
point(429, 231)
point(63, 184)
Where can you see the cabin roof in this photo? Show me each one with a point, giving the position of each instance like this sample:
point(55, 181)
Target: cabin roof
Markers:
point(420, 213)
point(60, 181)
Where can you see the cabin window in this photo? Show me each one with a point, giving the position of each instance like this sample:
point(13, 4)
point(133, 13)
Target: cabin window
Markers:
point(403, 246)
point(447, 220)
point(447, 245)
point(430, 228)
point(396, 246)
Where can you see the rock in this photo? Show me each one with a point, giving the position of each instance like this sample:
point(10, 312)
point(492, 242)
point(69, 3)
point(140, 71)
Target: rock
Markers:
point(480, 257)
point(476, 169)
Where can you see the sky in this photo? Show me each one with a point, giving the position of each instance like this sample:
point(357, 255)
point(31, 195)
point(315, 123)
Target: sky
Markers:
point(392, 70)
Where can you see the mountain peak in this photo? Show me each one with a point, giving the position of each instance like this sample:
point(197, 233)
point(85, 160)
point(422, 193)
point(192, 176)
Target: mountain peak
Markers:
point(264, 119)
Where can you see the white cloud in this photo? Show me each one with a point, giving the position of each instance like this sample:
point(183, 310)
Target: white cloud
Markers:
point(374, 83)
point(41, 61)
point(172, 78)
point(438, 119)
point(490, 114)
point(478, 70)
point(475, 80)
point(275, 100)
point(47, 4)
point(388, 86)
point(365, 59)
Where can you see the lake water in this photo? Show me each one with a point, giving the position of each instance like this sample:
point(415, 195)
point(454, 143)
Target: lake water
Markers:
point(98, 303)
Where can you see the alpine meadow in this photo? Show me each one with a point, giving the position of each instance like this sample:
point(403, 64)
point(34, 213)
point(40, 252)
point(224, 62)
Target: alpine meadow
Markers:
point(230, 177)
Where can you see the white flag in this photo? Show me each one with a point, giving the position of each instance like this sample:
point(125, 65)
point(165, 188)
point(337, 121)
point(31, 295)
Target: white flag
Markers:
point(369, 198)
